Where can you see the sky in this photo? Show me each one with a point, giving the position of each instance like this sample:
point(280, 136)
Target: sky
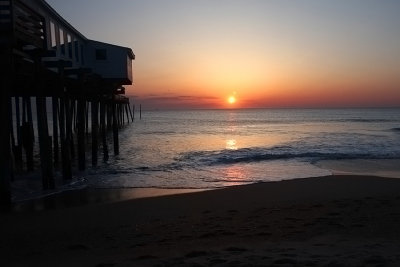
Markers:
point(264, 53)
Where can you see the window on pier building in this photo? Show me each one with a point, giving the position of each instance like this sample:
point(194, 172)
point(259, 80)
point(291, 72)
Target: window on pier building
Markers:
point(62, 43)
point(53, 35)
point(101, 54)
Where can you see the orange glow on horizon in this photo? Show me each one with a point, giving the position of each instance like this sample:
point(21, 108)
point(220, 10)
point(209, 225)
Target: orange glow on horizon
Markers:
point(262, 86)
point(252, 80)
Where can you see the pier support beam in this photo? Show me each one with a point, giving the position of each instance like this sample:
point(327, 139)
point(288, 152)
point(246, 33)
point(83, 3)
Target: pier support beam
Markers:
point(81, 115)
point(55, 128)
point(109, 116)
point(18, 147)
point(95, 127)
point(5, 161)
point(44, 144)
point(130, 111)
point(115, 128)
point(11, 129)
point(65, 142)
point(103, 130)
point(87, 118)
point(6, 173)
point(69, 107)
point(64, 120)
point(28, 138)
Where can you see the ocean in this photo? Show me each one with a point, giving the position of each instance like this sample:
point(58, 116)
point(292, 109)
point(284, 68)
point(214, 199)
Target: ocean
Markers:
point(218, 148)
point(206, 149)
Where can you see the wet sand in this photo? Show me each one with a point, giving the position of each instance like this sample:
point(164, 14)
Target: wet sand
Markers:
point(338, 220)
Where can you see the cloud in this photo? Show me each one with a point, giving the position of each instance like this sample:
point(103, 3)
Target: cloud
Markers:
point(177, 98)
point(152, 101)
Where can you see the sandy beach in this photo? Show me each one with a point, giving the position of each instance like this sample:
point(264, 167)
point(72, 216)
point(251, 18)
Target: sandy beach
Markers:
point(337, 220)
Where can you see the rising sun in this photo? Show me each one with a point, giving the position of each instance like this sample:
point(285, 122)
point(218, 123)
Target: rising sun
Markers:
point(231, 99)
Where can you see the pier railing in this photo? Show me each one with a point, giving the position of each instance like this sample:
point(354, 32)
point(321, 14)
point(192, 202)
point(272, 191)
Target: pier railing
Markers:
point(21, 24)
point(28, 26)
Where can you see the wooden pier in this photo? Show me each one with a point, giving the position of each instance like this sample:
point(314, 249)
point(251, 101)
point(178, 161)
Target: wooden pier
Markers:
point(46, 62)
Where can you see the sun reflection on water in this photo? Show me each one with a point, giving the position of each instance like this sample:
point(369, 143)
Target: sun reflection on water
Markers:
point(231, 144)
point(235, 173)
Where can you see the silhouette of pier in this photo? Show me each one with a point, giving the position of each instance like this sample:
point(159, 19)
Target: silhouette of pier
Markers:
point(44, 59)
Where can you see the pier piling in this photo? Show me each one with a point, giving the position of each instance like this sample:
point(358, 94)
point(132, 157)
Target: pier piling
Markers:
point(95, 126)
point(18, 146)
point(5, 145)
point(44, 144)
point(27, 132)
point(54, 100)
point(115, 129)
point(42, 57)
point(130, 111)
point(81, 116)
point(65, 144)
point(103, 130)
